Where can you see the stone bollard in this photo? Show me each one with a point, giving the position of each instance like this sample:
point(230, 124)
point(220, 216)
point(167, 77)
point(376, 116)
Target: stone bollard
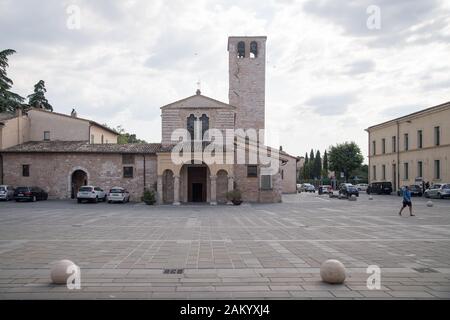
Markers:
point(352, 198)
point(59, 272)
point(370, 198)
point(332, 271)
point(429, 203)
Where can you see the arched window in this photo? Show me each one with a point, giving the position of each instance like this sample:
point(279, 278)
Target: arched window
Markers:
point(253, 50)
point(205, 124)
point(190, 126)
point(241, 49)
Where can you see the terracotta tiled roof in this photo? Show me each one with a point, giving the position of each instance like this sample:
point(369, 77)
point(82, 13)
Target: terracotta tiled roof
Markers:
point(83, 147)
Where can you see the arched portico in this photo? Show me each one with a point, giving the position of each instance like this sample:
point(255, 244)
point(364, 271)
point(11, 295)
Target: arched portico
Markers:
point(77, 177)
point(193, 182)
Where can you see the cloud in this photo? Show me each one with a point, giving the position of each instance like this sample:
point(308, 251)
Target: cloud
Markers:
point(359, 67)
point(331, 104)
point(400, 110)
point(405, 21)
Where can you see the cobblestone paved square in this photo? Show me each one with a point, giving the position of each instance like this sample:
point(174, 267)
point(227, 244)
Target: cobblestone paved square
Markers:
point(252, 251)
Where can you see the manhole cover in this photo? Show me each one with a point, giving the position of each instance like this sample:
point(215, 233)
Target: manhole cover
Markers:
point(425, 270)
point(173, 271)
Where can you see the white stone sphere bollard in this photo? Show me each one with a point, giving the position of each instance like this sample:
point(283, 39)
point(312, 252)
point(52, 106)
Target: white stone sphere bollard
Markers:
point(59, 272)
point(352, 198)
point(429, 203)
point(370, 198)
point(332, 271)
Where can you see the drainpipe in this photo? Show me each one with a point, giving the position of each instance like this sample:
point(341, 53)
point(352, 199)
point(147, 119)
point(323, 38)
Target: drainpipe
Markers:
point(398, 156)
point(144, 171)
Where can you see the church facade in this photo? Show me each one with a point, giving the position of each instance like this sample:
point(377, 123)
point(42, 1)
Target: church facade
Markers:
point(208, 148)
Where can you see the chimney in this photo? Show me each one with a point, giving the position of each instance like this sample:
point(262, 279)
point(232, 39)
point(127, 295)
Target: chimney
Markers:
point(73, 113)
point(19, 125)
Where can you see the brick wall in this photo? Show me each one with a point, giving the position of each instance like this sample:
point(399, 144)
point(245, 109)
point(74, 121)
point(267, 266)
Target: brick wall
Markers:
point(52, 171)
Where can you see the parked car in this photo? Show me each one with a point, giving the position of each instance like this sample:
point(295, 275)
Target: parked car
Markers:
point(307, 187)
point(438, 190)
point(362, 186)
point(347, 190)
point(118, 194)
point(91, 194)
point(324, 189)
point(6, 192)
point(380, 188)
point(30, 194)
point(416, 191)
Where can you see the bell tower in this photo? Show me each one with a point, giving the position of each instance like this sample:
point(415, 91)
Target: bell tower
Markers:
point(247, 80)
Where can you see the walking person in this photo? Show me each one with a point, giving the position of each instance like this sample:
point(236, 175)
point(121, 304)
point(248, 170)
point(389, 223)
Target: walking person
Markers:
point(406, 201)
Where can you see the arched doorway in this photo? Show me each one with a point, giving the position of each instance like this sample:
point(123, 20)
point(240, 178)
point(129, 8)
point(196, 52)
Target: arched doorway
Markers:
point(197, 183)
point(222, 186)
point(168, 186)
point(78, 179)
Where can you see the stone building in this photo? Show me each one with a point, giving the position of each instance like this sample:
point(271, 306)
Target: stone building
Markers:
point(412, 148)
point(78, 153)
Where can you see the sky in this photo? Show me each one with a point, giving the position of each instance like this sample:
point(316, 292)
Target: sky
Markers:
point(334, 67)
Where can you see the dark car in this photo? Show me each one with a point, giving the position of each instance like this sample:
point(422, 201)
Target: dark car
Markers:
point(30, 194)
point(380, 188)
point(347, 190)
point(416, 191)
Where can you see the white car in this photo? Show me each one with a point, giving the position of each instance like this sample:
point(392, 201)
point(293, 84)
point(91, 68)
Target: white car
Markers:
point(362, 186)
point(91, 194)
point(438, 190)
point(6, 192)
point(118, 194)
point(307, 187)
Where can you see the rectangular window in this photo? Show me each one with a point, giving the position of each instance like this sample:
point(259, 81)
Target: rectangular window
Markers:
point(92, 139)
point(437, 136)
point(252, 171)
point(437, 169)
point(46, 135)
point(383, 146)
point(128, 172)
point(406, 137)
point(374, 147)
point(419, 169)
point(25, 170)
point(394, 144)
point(419, 139)
point(266, 182)
point(406, 171)
point(374, 172)
point(383, 172)
point(127, 158)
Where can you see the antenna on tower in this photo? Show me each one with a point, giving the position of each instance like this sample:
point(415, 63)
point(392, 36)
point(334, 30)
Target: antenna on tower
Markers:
point(198, 87)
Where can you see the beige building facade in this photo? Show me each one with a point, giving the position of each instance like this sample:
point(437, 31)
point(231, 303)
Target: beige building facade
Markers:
point(412, 148)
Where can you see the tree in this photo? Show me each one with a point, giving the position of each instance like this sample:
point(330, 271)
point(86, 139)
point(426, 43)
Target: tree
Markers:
point(345, 158)
point(37, 99)
point(325, 164)
point(125, 137)
point(9, 101)
point(311, 164)
point(317, 165)
point(305, 169)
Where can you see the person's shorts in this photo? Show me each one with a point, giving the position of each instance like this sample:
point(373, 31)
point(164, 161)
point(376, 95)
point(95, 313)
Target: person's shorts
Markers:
point(407, 204)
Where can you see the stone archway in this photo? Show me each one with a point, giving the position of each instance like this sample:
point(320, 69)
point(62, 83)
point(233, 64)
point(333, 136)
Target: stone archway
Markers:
point(222, 186)
point(168, 186)
point(78, 178)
